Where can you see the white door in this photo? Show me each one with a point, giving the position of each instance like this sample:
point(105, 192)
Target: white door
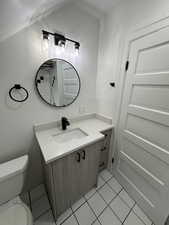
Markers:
point(70, 83)
point(144, 125)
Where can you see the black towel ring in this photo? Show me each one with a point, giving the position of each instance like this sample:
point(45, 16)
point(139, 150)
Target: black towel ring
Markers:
point(18, 87)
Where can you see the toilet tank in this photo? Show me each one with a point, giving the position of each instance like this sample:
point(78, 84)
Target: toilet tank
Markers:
point(12, 176)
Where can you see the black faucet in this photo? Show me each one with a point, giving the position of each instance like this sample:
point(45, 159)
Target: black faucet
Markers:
point(65, 123)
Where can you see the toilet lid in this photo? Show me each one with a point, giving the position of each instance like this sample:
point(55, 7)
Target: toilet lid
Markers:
point(16, 214)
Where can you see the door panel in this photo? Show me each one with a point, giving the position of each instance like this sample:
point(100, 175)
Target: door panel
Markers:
point(144, 125)
point(147, 160)
point(155, 97)
point(148, 64)
point(148, 130)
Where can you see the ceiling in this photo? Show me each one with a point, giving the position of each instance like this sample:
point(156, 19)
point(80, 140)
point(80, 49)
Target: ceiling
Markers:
point(16, 14)
point(102, 5)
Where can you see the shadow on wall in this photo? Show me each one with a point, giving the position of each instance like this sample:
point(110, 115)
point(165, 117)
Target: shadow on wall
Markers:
point(35, 170)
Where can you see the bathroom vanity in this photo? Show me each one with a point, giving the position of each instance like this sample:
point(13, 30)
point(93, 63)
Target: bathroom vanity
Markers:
point(73, 158)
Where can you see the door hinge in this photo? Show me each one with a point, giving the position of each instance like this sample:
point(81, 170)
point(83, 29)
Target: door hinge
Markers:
point(112, 160)
point(127, 65)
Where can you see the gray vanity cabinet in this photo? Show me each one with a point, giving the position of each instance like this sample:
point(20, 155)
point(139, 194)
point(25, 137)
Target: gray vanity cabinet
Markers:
point(69, 178)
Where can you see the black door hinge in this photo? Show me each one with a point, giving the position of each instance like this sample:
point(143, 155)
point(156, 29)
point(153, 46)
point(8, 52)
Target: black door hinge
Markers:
point(127, 65)
point(112, 160)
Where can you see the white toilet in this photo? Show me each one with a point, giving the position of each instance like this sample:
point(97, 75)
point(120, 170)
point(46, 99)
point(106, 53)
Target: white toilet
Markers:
point(12, 210)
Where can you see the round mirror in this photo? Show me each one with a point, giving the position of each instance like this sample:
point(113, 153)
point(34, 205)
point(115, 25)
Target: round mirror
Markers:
point(57, 82)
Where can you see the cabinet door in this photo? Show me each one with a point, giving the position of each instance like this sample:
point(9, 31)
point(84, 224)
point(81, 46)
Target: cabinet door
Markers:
point(66, 175)
point(75, 170)
point(90, 166)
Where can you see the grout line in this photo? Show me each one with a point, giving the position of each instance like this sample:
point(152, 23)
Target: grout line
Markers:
point(118, 195)
point(66, 217)
point(140, 217)
point(105, 200)
point(42, 214)
point(106, 182)
point(125, 201)
point(115, 214)
point(46, 193)
point(86, 201)
point(129, 213)
point(97, 217)
point(41, 196)
point(114, 189)
point(30, 202)
point(76, 218)
point(80, 205)
point(108, 206)
point(97, 221)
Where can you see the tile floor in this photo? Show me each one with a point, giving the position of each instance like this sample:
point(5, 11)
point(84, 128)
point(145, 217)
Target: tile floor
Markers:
point(108, 204)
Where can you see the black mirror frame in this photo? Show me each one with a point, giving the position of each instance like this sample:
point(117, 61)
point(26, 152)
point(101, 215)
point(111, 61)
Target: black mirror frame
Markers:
point(36, 84)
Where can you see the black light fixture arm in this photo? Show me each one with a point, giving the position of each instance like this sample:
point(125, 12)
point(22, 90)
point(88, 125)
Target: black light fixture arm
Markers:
point(59, 37)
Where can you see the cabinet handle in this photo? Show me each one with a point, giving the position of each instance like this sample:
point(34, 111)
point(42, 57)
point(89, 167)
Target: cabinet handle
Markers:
point(102, 164)
point(83, 155)
point(78, 159)
point(103, 149)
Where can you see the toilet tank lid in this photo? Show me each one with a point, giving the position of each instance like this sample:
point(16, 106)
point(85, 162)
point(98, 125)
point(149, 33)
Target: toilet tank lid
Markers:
point(13, 167)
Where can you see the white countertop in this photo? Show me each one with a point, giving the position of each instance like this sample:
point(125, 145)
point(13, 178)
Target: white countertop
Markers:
point(91, 124)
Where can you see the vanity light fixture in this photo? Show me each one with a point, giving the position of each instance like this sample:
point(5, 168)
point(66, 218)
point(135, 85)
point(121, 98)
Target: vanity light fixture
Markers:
point(77, 46)
point(60, 40)
point(45, 40)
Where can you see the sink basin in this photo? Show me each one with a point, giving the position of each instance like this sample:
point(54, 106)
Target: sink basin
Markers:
point(67, 136)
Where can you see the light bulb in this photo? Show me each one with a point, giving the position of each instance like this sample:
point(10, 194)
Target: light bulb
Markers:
point(76, 52)
point(77, 46)
point(58, 49)
point(62, 48)
point(45, 44)
point(62, 45)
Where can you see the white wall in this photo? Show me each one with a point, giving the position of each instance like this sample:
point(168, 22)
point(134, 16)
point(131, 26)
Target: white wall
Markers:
point(20, 58)
point(123, 18)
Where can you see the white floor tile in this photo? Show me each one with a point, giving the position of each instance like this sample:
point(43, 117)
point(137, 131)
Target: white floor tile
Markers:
point(37, 192)
point(132, 219)
point(142, 215)
point(85, 215)
point(45, 219)
point(90, 193)
point(120, 208)
point(107, 193)
point(108, 218)
point(106, 175)
point(115, 185)
point(128, 200)
point(77, 204)
point(71, 221)
point(96, 223)
point(101, 182)
point(64, 216)
point(40, 206)
point(97, 204)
